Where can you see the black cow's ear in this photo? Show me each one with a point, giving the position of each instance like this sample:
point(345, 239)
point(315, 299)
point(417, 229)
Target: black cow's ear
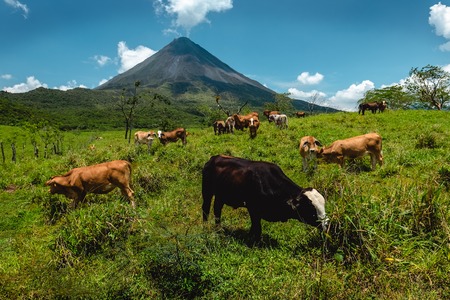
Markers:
point(293, 203)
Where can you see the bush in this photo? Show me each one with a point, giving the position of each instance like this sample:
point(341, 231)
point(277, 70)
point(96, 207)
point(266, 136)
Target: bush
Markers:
point(101, 227)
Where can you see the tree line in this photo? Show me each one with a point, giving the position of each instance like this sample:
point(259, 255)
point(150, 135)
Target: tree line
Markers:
point(427, 87)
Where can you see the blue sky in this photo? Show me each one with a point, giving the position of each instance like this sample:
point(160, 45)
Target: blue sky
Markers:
point(333, 50)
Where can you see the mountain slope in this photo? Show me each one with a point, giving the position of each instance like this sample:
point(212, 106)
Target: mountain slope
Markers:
point(183, 65)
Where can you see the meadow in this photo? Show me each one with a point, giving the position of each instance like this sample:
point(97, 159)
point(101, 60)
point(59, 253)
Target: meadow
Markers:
point(388, 236)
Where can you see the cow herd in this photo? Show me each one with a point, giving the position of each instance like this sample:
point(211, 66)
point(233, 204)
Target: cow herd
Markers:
point(261, 187)
point(147, 137)
point(372, 106)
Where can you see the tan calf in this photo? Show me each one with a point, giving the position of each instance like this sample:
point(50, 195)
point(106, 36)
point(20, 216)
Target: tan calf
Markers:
point(308, 150)
point(97, 179)
point(354, 147)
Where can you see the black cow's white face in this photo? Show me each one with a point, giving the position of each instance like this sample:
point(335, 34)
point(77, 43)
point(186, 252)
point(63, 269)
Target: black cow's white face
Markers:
point(318, 201)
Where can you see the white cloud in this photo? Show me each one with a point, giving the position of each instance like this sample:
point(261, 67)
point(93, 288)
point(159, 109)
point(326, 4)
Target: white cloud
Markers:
point(102, 81)
point(445, 47)
point(6, 76)
point(16, 4)
point(131, 57)
point(347, 99)
point(102, 60)
point(189, 13)
point(301, 95)
point(440, 19)
point(306, 78)
point(70, 85)
point(31, 84)
point(446, 68)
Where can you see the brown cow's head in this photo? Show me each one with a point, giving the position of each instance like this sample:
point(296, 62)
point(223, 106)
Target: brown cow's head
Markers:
point(329, 156)
point(253, 127)
point(56, 187)
point(310, 144)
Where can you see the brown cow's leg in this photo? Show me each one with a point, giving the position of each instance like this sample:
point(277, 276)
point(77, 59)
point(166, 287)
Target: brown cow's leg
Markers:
point(341, 161)
point(373, 159)
point(129, 193)
point(81, 196)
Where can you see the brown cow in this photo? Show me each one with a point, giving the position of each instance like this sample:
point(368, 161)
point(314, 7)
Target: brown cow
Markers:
point(241, 122)
point(308, 150)
point(172, 136)
point(144, 137)
point(253, 127)
point(354, 147)
point(97, 179)
point(219, 127)
point(300, 114)
point(382, 106)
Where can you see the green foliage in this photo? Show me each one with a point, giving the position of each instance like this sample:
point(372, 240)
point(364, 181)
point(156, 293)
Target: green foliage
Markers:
point(387, 237)
point(395, 96)
point(430, 85)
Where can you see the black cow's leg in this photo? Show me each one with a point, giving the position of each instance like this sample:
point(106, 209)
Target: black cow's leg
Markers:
point(218, 205)
point(255, 229)
point(206, 206)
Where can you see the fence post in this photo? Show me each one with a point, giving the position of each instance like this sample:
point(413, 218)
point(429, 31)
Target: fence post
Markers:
point(3, 152)
point(13, 148)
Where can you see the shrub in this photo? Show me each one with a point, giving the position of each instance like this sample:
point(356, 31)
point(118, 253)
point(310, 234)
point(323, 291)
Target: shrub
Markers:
point(86, 231)
point(426, 141)
point(444, 176)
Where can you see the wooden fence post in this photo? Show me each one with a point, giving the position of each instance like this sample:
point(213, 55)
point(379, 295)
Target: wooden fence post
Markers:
point(13, 148)
point(3, 152)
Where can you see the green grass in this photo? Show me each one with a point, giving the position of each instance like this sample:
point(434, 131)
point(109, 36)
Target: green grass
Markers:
point(389, 231)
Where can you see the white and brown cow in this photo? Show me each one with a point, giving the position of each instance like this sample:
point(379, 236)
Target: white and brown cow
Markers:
point(253, 127)
point(219, 127)
point(229, 125)
point(354, 147)
point(172, 136)
point(308, 148)
point(144, 137)
point(268, 113)
point(97, 179)
point(280, 120)
point(243, 121)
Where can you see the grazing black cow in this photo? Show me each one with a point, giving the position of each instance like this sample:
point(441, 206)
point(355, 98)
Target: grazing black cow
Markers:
point(263, 189)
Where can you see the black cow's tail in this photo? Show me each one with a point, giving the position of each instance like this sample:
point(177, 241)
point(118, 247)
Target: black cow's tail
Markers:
point(207, 187)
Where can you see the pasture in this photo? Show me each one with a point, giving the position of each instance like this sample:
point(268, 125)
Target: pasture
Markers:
point(388, 237)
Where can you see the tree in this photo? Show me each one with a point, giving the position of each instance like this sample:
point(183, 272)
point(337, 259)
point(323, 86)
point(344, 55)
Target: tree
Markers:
point(314, 100)
point(284, 103)
point(395, 96)
point(127, 106)
point(430, 85)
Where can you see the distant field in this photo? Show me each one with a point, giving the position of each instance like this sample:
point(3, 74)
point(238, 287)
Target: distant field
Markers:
point(389, 234)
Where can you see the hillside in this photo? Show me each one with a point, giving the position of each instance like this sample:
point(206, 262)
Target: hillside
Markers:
point(388, 236)
point(98, 109)
point(183, 72)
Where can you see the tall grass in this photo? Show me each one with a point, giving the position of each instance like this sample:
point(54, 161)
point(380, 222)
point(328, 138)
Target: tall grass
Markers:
point(388, 236)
